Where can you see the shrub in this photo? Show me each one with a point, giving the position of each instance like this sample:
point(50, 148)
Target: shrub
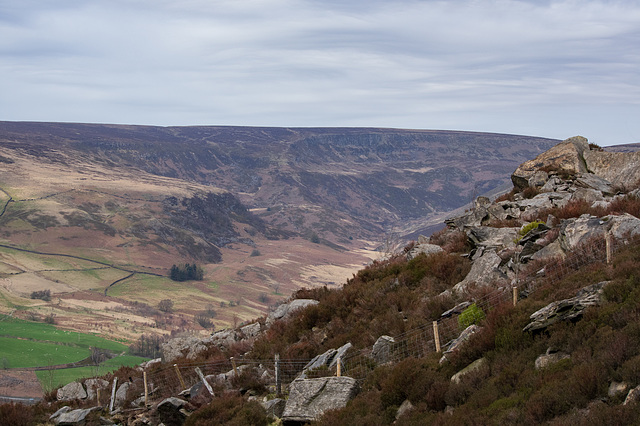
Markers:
point(166, 305)
point(42, 294)
point(472, 315)
point(255, 253)
point(186, 272)
point(16, 414)
point(50, 319)
point(232, 410)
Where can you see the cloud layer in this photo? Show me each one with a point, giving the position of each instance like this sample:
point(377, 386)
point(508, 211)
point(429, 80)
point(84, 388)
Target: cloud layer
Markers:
point(546, 68)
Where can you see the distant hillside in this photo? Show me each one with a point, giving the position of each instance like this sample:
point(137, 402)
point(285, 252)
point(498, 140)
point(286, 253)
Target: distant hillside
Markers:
point(337, 182)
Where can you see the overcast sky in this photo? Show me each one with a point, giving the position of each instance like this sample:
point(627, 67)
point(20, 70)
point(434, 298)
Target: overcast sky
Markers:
point(545, 68)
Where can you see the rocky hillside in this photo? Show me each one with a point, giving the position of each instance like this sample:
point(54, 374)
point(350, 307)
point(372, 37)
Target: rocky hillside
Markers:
point(523, 311)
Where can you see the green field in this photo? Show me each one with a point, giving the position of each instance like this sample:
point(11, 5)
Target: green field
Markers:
point(17, 353)
point(52, 379)
point(36, 331)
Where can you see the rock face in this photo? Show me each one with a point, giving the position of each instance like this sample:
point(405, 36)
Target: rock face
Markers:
point(71, 391)
point(329, 359)
point(310, 398)
point(566, 156)
point(567, 309)
point(621, 169)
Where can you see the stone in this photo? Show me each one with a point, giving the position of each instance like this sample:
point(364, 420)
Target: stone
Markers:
point(566, 156)
point(567, 309)
point(170, 411)
point(121, 396)
point(492, 238)
point(589, 195)
point(182, 346)
point(551, 250)
point(456, 310)
point(148, 364)
point(73, 390)
point(328, 359)
point(274, 407)
point(622, 227)
point(538, 179)
point(310, 398)
point(404, 408)
point(425, 248)
point(93, 384)
point(622, 169)
point(286, 309)
point(381, 351)
point(484, 272)
point(616, 388)
point(476, 365)
point(251, 331)
point(574, 232)
point(633, 396)
point(550, 357)
point(72, 417)
point(594, 182)
point(458, 341)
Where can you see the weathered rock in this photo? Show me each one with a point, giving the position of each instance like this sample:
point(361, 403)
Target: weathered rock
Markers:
point(150, 363)
point(381, 351)
point(476, 365)
point(328, 359)
point(589, 195)
point(621, 169)
point(73, 390)
point(92, 384)
point(538, 179)
point(551, 250)
point(492, 238)
point(484, 272)
point(616, 388)
point(623, 227)
point(72, 417)
point(567, 309)
point(310, 398)
point(566, 156)
point(274, 407)
point(592, 181)
point(182, 346)
point(456, 310)
point(550, 357)
point(286, 309)
point(458, 341)
point(251, 331)
point(633, 396)
point(121, 396)
point(425, 248)
point(404, 408)
point(170, 411)
point(578, 231)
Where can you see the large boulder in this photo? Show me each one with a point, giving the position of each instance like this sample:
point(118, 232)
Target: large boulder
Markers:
point(67, 416)
point(310, 398)
point(121, 396)
point(567, 309)
point(94, 384)
point(622, 169)
point(286, 309)
point(424, 248)
point(381, 351)
point(458, 341)
point(73, 390)
point(176, 348)
point(566, 156)
point(492, 238)
point(549, 358)
point(170, 411)
point(484, 272)
point(476, 365)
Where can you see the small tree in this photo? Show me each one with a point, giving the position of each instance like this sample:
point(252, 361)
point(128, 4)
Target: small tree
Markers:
point(472, 315)
point(166, 305)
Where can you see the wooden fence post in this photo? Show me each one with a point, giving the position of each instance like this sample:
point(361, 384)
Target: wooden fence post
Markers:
point(338, 368)
point(113, 394)
point(607, 240)
point(204, 381)
point(146, 389)
point(278, 378)
point(179, 376)
point(515, 296)
point(233, 364)
point(436, 336)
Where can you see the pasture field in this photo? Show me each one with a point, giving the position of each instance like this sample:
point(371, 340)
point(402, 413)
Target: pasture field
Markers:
point(34, 331)
point(18, 353)
point(51, 379)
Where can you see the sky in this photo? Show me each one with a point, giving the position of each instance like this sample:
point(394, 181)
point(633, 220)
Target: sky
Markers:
point(542, 68)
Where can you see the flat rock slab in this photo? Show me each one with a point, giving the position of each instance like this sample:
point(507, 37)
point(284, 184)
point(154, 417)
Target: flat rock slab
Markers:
point(310, 398)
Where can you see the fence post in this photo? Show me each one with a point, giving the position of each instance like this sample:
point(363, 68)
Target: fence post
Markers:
point(436, 336)
point(179, 376)
point(146, 389)
point(97, 396)
point(278, 378)
point(515, 296)
point(204, 381)
point(113, 394)
point(338, 368)
point(233, 364)
point(607, 240)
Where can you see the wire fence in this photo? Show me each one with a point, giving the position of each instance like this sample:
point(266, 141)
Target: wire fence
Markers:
point(418, 342)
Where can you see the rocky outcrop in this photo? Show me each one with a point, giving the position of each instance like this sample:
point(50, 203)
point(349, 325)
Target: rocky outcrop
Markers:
point(286, 309)
point(73, 390)
point(567, 156)
point(567, 309)
point(310, 398)
point(621, 169)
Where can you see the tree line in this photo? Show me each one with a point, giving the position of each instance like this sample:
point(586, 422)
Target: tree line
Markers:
point(186, 272)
